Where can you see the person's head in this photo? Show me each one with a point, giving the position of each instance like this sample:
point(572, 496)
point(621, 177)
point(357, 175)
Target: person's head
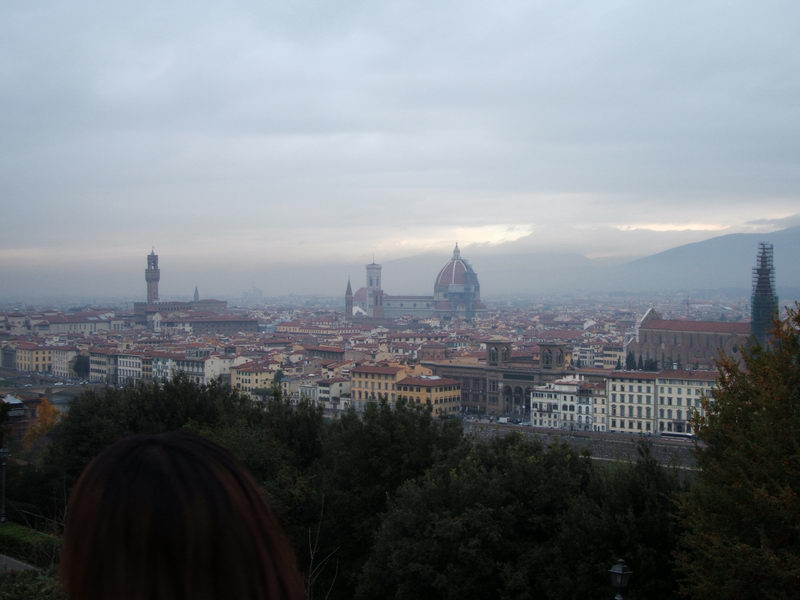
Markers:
point(173, 517)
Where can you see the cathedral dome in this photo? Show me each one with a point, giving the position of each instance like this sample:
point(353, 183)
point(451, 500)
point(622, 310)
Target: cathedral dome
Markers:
point(456, 276)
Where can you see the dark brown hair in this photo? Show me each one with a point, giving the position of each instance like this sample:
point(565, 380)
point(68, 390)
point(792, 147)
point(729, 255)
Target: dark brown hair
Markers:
point(173, 517)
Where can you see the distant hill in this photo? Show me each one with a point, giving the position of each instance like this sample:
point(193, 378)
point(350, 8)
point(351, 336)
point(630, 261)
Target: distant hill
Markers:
point(721, 262)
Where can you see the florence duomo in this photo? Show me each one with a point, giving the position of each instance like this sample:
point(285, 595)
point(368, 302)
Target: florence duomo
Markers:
point(456, 294)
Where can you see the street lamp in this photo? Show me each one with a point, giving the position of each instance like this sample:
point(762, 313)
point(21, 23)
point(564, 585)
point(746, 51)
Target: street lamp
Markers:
point(620, 576)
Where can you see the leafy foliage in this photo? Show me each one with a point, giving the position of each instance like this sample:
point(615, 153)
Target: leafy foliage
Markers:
point(395, 503)
point(742, 529)
point(28, 545)
point(511, 519)
point(365, 459)
point(47, 416)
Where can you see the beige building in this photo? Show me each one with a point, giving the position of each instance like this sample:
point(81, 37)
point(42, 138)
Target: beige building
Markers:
point(610, 358)
point(252, 376)
point(375, 383)
point(63, 360)
point(102, 368)
point(632, 401)
point(441, 394)
point(679, 396)
point(34, 358)
point(661, 402)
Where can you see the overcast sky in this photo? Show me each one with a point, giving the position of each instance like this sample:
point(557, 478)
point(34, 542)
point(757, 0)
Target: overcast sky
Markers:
point(262, 133)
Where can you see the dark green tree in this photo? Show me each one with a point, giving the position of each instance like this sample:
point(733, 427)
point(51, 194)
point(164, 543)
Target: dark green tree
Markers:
point(630, 361)
point(81, 366)
point(626, 511)
point(640, 364)
point(742, 519)
point(365, 459)
point(478, 526)
point(99, 418)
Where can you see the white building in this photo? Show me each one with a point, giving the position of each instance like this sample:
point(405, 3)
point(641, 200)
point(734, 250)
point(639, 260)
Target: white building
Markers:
point(63, 360)
point(679, 396)
point(568, 403)
point(657, 402)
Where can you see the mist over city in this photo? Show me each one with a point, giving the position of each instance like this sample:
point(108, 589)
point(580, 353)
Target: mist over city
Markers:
point(365, 300)
point(248, 142)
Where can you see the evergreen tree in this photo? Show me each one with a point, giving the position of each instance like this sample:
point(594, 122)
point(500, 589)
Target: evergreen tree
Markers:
point(366, 458)
point(743, 532)
point(640, 364)
point(630, 361)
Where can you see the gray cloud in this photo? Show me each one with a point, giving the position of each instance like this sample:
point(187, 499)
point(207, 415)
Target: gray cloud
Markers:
point(264, 131)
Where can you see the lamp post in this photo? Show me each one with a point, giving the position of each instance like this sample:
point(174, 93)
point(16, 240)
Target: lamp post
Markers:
point(620, 576)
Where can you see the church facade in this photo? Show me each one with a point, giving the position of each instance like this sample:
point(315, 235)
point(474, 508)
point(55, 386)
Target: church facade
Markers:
point(456, 294)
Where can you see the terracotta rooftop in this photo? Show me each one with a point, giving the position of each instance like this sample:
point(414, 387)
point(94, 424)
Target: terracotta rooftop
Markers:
point(377, 370)
point(699, 326)
point(427, 381)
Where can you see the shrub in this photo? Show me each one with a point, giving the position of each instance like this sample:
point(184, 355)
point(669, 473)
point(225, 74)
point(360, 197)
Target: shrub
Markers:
point(29, 545)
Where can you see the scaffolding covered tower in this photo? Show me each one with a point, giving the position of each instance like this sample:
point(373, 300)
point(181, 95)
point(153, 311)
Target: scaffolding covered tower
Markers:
point(764, 302)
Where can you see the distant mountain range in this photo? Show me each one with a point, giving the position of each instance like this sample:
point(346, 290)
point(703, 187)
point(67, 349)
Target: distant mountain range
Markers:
point(723, 262)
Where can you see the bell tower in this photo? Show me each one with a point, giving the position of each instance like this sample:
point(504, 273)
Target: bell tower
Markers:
point(348, 301)
point(152, 276)
point(374, 291)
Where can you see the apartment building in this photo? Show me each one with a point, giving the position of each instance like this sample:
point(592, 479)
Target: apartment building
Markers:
point(662, 402)
point(129, 369)
point(63, 359)
point(252, 376)
point(443, 395)
point(679, 395)
point(569, 403)
point(375, 383)
point(33, 358)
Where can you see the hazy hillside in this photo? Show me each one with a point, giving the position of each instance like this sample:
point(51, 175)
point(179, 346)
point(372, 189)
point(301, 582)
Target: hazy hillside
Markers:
point(722, 262)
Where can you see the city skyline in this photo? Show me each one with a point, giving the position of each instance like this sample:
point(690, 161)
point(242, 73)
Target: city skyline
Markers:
point(264, 136)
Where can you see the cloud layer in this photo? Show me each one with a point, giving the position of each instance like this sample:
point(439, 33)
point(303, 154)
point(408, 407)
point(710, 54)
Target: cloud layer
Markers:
point(268, 132)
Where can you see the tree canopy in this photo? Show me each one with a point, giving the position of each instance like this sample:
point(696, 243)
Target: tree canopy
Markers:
point(742, 517)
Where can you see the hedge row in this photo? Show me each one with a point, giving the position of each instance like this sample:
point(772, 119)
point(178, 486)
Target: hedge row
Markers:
point(29, 545)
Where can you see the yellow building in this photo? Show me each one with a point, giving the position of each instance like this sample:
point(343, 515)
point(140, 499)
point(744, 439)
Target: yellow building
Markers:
point(252, 376)
point(441, 394)
point(34, 358)
point(374, 383)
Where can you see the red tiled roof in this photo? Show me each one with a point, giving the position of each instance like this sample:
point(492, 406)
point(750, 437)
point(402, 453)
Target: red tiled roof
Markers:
point(679, 374)
point(634, 374)
point(377, 370)
point(427, 381)
point(700, 326)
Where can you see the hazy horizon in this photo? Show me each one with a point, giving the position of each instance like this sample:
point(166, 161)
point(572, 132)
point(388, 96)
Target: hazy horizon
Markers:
point(244, 140)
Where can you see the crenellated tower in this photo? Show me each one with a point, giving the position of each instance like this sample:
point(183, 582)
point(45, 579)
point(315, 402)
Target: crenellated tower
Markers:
point(152, 276)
